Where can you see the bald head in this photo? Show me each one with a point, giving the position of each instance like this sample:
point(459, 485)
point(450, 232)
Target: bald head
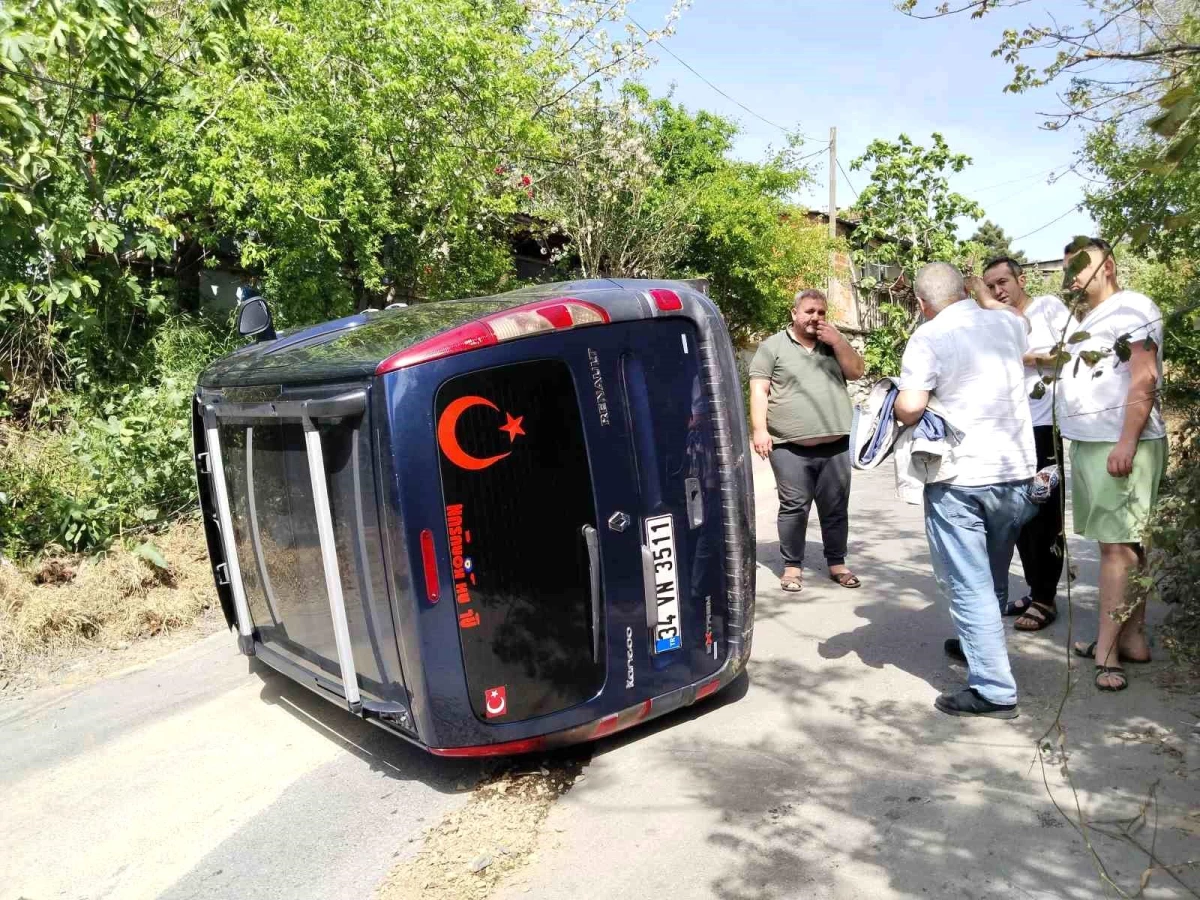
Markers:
point(939, 284)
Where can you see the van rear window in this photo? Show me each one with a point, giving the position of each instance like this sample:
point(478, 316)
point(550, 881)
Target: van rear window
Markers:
point(518, 492)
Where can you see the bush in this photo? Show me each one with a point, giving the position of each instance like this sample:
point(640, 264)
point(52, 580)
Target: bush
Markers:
point(119, 460)
point(1173, 545)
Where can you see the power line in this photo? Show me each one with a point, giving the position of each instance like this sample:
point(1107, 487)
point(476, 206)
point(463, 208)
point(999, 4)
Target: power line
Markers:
point(817, 152)
point(1022, 178)
point(1073, 209)
point(679, 60)
point(847, 177)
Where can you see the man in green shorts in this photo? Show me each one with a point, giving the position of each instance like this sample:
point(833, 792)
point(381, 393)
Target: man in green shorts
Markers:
point(1110, 412)
point(800, 412)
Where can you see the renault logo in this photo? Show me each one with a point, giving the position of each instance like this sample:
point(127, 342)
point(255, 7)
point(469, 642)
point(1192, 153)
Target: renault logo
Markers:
point(618, 521)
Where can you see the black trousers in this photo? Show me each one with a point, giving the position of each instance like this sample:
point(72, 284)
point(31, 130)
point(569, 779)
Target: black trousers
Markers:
point(805, 474)
point(1041, 542)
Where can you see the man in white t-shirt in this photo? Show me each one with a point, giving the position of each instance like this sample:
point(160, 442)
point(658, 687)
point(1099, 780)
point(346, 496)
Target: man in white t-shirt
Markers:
point(1041, 542)
point(968, 355)
point(1109, 409)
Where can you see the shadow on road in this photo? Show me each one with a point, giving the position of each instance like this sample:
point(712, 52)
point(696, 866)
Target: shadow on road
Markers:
point(928, 804)
point(383, 751)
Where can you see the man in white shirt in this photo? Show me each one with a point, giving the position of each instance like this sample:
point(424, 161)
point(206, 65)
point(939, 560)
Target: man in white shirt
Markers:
point(1109, 409)
point(969, 355)
point(1040, 544)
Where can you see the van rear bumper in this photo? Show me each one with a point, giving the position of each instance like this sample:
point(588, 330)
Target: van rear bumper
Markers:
point(610, 724)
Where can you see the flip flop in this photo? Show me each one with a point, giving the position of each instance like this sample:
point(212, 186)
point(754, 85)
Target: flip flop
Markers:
point(1089, 652)
point(1101, 671)
point(846, 579)
point(1040, 614)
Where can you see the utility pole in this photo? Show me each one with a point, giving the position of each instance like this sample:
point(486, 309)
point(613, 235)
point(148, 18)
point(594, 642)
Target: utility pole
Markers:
point(833, 182)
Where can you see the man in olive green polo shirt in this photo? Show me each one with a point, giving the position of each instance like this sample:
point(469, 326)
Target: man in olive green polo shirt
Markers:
point(801, 414)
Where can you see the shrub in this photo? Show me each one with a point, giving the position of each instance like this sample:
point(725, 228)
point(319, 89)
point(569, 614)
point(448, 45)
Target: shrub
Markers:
point(119, 460)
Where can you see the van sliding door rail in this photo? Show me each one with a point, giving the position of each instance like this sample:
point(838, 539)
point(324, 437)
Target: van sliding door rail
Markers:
point(225, 523)
point(333, 578)
point(351, 403)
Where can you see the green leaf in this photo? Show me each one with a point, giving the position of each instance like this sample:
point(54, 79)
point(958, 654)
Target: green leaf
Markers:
point(1078, 336)
point(1038, 392)
point(1180, 148)
point(1168, 122)
point(151, 554)
point(1048, 379)
point(1090, 357)
point(1122, 349)
point(1176, 95)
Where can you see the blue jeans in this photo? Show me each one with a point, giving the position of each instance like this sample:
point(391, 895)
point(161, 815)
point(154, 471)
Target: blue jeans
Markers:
point(972, 532)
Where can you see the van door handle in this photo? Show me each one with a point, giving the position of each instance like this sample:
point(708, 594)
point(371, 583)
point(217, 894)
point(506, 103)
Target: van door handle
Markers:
point(695, 501)
point(592, 539)
point(648, 588)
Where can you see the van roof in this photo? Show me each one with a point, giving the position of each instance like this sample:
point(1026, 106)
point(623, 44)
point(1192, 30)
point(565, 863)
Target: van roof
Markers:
point(352, 347)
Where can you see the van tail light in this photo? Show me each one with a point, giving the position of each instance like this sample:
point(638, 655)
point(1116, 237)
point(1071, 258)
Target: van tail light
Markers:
point(665, 300)
point(708, 688)
point(509, 748)
point(559, 314)
point(429, 562)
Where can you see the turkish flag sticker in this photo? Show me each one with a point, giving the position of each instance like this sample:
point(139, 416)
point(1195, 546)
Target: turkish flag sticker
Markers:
point(495, 702)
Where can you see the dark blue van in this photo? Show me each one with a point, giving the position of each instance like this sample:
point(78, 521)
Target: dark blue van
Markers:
point(493, 525)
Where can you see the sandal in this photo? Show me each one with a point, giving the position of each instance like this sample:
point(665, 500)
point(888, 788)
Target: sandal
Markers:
point(846, 579)
point(1089, 652)
point(1041, 615)
point(792, 584)
point(1017, 607)
point(1111, 671)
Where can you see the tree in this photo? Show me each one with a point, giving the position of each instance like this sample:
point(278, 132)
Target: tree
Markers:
point(995, 242)
point(907, 212)
point(654, 192)
point(610, 202)
point(752, 245)
point(907, 217)
point(337, 153)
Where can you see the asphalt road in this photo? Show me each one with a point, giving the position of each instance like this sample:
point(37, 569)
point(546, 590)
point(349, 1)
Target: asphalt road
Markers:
point(207, 776)
point(825, 773)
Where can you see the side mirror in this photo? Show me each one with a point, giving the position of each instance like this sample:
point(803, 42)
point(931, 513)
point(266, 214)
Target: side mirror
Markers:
point(254, 320)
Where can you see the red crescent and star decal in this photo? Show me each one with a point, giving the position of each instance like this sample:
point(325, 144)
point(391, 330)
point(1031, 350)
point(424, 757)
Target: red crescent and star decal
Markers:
point(447, 433)
point(495, 702)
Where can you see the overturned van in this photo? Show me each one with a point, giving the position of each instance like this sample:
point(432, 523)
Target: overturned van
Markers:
point(493, 525)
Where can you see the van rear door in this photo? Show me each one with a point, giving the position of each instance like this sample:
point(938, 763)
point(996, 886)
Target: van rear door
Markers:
point(521, 521)
point(651, 432)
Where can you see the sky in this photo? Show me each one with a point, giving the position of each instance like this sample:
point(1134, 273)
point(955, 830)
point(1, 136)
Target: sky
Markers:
point(874, 73)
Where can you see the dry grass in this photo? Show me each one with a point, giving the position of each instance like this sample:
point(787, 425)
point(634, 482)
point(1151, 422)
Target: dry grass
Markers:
point(63, 605)
point(494, 836)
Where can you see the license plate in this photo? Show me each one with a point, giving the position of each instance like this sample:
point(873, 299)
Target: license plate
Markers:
point(660, 539)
